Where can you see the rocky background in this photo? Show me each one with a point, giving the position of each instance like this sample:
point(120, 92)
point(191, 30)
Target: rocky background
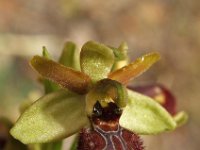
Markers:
point(171, 27)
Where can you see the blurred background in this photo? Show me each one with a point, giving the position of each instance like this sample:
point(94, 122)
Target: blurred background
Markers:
point(171, 27)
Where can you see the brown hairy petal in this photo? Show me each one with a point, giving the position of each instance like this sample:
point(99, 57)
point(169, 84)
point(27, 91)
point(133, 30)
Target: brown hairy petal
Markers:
point(131, 71)
point(68, 78)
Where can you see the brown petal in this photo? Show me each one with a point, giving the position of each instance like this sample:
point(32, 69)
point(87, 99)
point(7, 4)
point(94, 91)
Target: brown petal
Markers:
point(131, 71)
point(66, 77)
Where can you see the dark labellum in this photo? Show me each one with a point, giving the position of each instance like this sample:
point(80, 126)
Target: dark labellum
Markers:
point(105, 132)
point(160, 94)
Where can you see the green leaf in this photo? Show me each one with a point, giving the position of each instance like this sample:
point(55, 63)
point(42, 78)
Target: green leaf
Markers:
point(52, 117)
point(70, 56)
point(131, 71)
point(143, 115)
point(65, 76)
point(96, 60)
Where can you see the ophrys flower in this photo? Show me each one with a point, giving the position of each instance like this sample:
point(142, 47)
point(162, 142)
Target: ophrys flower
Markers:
point(94, 97)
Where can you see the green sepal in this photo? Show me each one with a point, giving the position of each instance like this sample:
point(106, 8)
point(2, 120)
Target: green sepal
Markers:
point(96, 60)
point(70, 56)
point(54, 116)
point(181, 118)
point(143, 115)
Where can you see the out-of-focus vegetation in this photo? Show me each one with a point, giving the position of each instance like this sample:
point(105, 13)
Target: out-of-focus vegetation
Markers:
point(167, 26)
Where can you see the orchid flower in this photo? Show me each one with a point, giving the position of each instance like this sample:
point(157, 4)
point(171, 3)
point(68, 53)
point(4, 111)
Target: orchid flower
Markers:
point(97, 80)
